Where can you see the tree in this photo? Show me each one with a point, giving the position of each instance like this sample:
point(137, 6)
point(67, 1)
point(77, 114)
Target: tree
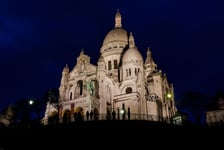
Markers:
point(195, 104)
point(22, 111)
point(51, 95)
point(217, 101)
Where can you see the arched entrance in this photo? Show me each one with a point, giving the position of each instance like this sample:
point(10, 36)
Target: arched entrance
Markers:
point(67, 116)
point(95, 114)
point(53, 118)
point(79, 114)
point(159, 110)
point(108, 111)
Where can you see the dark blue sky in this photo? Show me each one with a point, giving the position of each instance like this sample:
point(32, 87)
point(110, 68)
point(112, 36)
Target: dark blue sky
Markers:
point(37, 39)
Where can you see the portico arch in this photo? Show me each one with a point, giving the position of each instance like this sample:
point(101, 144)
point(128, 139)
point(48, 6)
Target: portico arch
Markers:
point(53, 117)
point(79, 114)
point(66, 116)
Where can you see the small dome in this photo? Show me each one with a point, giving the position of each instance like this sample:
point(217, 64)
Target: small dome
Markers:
point(132, 54)
point(116, 34)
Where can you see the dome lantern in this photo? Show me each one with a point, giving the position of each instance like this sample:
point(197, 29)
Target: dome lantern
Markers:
point(118, 20)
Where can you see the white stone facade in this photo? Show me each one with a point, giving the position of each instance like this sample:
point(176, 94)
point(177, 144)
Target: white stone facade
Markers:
point(122, 80)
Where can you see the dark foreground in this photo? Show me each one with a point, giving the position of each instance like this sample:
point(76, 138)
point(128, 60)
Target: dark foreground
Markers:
point(109, 133)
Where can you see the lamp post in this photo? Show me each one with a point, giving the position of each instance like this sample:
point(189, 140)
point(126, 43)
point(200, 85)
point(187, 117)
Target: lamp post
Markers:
point(122, 113)
point(169, 96)
point(31, 103)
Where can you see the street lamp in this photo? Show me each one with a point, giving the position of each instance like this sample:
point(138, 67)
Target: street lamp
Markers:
point(169, 95)
point(31, 102)
point(122, 114)
point(122, 111)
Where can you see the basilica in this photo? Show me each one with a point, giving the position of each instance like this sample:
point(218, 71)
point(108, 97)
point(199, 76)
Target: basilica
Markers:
point(120, 86)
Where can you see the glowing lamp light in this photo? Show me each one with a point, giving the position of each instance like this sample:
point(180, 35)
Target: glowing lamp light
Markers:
point(31, 102)
point(122, 111)
point(169, 95)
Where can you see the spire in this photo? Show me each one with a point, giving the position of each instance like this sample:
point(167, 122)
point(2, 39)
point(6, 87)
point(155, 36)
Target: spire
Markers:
point(149, 57)
point(149, 60)
point(82, 51)
point(66, 69)
point(118, 19)
point(101, 59)
point(131, 41)
point(149, 52)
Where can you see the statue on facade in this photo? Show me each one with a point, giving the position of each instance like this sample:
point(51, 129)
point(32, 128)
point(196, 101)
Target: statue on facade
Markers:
point(90, 87)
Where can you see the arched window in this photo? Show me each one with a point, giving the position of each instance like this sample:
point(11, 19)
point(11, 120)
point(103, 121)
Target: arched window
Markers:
point(109, 65)
point(80, 86)
point(149, 79)
point(129, 71)
point(128, 90)
point(115, 64)
point(70, 96)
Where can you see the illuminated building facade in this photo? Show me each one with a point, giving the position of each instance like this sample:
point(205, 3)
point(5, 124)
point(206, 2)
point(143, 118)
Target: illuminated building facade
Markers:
point(121, 83)
point(215, 114)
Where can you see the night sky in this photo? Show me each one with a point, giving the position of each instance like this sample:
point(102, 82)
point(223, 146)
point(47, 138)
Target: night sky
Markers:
point(37, 39)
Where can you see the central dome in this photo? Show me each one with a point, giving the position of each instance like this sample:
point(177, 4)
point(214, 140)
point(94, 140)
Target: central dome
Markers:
point(116, 35)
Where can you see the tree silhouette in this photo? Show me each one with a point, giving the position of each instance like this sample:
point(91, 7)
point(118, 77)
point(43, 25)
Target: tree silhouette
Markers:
point(51, 95)
point(26, 112)
point(217, 101)
point(195, 104)
point(22, 110)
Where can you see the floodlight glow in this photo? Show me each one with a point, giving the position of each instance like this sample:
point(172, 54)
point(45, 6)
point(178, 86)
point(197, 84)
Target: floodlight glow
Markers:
point(169, 95)
point(31, 102)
